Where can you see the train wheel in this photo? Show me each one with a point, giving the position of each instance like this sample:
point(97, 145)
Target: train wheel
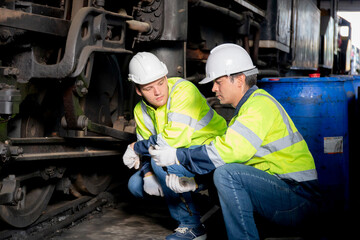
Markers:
point(104, 102)
point(29, 208)
point(33, 194)
point(92, 183)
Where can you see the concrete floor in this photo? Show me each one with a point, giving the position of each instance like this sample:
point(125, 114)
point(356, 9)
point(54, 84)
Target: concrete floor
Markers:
point(131, 218)
point(125, 221)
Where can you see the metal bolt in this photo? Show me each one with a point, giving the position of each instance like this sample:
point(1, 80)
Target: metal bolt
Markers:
point(179, 69)
point(19, 194)
point(79, 83)
point(84, 91)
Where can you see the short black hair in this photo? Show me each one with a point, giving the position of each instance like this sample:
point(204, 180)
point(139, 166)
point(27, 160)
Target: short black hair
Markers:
point(250, 80)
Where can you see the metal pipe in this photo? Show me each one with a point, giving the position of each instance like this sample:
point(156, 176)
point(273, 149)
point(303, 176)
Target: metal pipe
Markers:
point(256, 42)
point(142, 27)
point(225, 11)
point(246, 44)
point(269, 72)
point(147, 1)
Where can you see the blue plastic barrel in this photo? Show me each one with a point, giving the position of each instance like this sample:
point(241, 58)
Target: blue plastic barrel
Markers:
point(351, 86)
point(356, 83)
point(319, 110)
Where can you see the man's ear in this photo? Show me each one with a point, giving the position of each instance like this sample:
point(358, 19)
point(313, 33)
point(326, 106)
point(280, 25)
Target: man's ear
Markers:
point(240, 80)
point(138, 91)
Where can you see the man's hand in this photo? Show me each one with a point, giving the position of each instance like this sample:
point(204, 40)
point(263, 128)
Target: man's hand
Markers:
point(163, 156)
point(131, 158)
point(180, 184)
point(152, 185)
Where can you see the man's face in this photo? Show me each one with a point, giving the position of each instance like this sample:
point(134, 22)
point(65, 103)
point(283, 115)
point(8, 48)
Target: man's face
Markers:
point(156, 93)
point(227, 91)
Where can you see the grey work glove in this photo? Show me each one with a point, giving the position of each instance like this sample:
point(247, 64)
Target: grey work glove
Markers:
point(131, 159)
point(164, 155)
point(180, 184)
point(152, 185)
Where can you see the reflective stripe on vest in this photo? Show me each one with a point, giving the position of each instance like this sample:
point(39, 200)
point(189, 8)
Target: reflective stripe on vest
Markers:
point(147, 120)
point(177, 117)
point(275, 146)
point(301, 176)
point(139, 137)
point(214, 155)
point(206, 119)
point(172, 89)
point(281, 143)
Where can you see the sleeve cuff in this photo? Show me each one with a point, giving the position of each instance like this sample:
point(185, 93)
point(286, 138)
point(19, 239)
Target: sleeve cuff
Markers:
point(145, 168)
point(142, 147)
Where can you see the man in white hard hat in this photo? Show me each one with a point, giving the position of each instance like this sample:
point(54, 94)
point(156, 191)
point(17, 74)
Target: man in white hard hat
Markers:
point(262, 163)
point(172, 113)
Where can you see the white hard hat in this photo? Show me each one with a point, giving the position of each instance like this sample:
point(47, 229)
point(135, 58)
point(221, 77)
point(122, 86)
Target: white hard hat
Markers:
point(227, 59)
point(145, 68)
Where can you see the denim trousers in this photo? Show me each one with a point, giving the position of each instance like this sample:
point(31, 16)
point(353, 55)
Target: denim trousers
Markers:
point(177, 208)
point(244, 190)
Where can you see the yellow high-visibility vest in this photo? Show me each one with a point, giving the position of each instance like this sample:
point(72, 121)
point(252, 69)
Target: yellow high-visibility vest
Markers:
point(186, 120)
point(262, 135)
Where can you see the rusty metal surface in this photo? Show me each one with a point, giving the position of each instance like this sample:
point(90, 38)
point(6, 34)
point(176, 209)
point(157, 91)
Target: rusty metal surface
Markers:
point(139, 26)
point(175, 20)
point(52, 148)
point(197, 54)
point(327, 42)
point(34, 22)
point(153, 13)
point(22, 215)
point(275, 31)
point(306, 35)
point(108, 131)
point(66, 155)
point(72, 109)
point(87, 34)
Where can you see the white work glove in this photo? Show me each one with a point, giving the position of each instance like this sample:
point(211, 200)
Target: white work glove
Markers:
point(131, 158)
point(180, 184)
point(152, 185)
point(163, 156)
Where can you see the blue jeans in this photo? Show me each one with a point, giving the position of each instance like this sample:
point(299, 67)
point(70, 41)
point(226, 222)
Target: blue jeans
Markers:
point(177, 208)
point(244, 190)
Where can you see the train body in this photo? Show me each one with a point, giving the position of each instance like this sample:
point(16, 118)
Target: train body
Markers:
point(65, 102)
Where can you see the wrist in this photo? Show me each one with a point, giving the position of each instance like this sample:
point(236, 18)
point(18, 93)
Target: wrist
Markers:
point(133, 146)
point(148, 174)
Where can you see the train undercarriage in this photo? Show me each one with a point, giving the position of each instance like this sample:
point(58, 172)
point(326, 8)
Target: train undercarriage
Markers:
point(61, 128)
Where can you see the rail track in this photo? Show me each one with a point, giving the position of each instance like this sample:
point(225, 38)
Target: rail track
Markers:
point(58, 216)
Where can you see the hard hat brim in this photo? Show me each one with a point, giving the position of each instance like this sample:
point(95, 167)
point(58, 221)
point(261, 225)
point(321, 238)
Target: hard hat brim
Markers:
point(246, 73)
point(206, 80)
